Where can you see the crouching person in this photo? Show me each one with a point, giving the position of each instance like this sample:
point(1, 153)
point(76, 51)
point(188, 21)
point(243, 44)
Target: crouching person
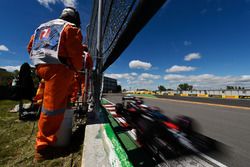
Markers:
point(56, 51)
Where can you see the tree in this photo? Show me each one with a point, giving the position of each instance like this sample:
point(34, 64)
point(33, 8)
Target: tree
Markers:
point(161, 88)
point(16, 73)
point(230, 87)
point(234, 88)
point(5, 77)
point(185, 86)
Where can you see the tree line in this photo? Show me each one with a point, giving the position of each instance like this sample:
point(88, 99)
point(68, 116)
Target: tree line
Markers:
point(188, 87)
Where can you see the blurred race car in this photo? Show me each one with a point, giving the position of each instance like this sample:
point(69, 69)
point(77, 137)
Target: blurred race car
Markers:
point(167, 138)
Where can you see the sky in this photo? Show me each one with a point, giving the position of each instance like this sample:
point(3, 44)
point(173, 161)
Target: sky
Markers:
point(19, 19)
point(205, 43)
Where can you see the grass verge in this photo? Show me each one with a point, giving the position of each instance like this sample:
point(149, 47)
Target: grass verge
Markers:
point(145, 95)
point(18, 139)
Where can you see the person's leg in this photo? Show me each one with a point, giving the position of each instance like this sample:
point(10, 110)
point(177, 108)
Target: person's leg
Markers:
point(57, 82)
point(74, 91)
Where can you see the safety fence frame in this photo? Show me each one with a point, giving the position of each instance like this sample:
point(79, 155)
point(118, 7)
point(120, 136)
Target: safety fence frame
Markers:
point(113, 26)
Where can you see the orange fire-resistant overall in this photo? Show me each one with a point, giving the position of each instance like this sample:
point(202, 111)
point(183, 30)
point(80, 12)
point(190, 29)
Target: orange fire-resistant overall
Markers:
point(88, 64)
point(58, 80)
point(75, 87)
point(38, 99)
point(79, 81)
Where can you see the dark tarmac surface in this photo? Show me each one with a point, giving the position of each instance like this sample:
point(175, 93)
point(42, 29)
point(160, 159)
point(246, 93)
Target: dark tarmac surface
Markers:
point(230, 126)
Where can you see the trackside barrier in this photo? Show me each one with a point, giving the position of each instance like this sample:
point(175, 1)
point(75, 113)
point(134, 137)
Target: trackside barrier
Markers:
point(213, 96)
point(216, 96)
point(192, 95)
point(102, 148)
point(229, 97)
point(244, 97)
point(202, 95)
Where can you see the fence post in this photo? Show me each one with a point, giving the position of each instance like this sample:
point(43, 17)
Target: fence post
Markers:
point(99, 61)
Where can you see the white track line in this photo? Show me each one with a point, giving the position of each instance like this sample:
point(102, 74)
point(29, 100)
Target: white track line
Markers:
point(212, 160)
point(122, 120)
point(108, 105)
point(132, 135)
point(112, 113)
point(110, 109)
point(109, 101)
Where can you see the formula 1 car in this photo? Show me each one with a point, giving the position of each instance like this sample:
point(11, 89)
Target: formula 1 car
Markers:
point(165, 137)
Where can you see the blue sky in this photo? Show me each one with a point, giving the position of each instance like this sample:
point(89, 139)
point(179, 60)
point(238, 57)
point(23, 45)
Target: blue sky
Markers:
point(19, 19)
point(215, 32)
point(201, 42)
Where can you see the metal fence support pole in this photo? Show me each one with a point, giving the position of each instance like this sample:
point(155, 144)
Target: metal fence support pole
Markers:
point(99, 62)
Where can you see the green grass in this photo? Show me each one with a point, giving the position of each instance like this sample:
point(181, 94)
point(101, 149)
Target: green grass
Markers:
point(18, 139)
point(145, 95)
point(103, 101)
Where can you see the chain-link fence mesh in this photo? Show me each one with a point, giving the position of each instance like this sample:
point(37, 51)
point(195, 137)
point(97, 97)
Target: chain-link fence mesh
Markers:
point(120, 21)
point(115, 16)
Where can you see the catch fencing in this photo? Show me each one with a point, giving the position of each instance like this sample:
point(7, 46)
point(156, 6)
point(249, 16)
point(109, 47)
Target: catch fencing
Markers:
point(113, 26)
point(121, 20)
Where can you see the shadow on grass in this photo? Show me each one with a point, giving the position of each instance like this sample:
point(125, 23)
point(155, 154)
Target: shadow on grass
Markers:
point(77, 138)
point(75, 145)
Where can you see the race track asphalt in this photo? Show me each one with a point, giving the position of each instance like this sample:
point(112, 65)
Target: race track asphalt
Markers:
point(226, 124)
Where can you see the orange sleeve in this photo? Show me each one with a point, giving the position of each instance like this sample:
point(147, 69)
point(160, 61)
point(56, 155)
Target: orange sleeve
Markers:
point(29, 47)
point(71, 46)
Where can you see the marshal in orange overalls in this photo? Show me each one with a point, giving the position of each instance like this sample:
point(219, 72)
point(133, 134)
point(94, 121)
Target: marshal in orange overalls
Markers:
point(88, 65)
point(79, 81)
point(58, 77)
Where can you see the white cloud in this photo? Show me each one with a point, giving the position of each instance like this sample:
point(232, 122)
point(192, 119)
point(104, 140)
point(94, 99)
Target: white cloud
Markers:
point(128, 76)
point(177, 68)
point(192, 56)
point(137, 64)
point(71, 3)
point(134, 74)
point(209, 80)
point(47, 3)
point(3, 48)
point(146, 76)
point(141, 84)
point(187, 43)
point(143, 80)
point(11, 68)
